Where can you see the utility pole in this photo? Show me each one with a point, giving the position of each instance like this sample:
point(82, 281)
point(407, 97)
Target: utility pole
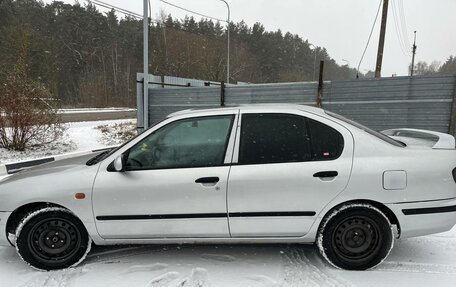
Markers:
point(228, 37)
point(381, 42)
point(320, 84)
point(315, 59)
point(146, 63)
point(413, 55)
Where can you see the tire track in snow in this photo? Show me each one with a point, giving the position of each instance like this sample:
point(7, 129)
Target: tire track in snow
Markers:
point(415, 267)
point(108, 256)
point(265, 281)
point(326, 268)
point(146, 268)
point(198, 278)
point(164, 280)
point(298, 270)
point(61, 278)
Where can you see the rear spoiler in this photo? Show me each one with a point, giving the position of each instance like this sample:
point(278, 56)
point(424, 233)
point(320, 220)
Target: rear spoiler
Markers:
point(432, 139)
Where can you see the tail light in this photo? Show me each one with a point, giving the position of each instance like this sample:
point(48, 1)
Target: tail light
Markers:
point(454, 174)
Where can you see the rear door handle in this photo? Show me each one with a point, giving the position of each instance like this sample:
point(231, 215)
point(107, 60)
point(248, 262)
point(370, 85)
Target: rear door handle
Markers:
point(206, 180)
point(326, 174)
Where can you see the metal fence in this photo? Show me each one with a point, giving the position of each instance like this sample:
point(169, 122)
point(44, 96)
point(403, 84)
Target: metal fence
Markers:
point(425, 102)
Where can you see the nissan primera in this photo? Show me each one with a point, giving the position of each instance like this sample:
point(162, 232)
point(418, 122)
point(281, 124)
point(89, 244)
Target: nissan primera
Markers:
point(247, 174)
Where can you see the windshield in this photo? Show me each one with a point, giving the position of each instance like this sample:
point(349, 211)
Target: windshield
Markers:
point(367, 130)
point(105, 154)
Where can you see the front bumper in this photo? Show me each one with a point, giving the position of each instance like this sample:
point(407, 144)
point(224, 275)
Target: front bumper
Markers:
point(3, 234)
point(423, 218)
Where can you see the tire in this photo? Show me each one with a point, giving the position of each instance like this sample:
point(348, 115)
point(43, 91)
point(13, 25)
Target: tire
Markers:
point(52, 238)
point(355, 237)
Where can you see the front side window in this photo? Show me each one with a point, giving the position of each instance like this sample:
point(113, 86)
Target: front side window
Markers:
point(193, 142)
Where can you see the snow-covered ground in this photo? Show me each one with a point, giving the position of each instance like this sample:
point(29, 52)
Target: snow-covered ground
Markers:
point(81, 136)
point(422, 261)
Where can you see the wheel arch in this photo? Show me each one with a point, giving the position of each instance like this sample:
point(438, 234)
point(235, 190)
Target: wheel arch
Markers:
point(380, 206)
point(19, 213)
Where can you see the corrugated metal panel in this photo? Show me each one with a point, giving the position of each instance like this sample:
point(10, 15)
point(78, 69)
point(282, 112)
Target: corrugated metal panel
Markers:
point(162, 102)
point(304, 93)
point(399, 88)
point(186, 82)
point(154, 79)
point(381, 116)
point(415, 102)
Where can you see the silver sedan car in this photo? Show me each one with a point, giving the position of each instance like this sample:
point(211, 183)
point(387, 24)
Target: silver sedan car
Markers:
point(247, 174)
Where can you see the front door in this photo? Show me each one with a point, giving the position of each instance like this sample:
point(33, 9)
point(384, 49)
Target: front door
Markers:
point(174, 184)
point(289, 166)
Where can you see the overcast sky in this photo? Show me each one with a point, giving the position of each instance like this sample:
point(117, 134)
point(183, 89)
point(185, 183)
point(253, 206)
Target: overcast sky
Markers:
point(341, 26)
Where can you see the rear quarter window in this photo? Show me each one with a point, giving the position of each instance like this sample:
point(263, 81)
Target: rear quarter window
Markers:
point(327, 143)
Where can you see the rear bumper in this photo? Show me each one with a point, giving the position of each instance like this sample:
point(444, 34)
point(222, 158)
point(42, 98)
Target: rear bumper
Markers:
point(423, 218)
point(3, 235)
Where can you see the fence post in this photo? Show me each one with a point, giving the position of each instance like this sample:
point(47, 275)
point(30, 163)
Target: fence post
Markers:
point(452, 129)
point(222, 94)
point(320, 85)
point(139, 103)
point(162, 80)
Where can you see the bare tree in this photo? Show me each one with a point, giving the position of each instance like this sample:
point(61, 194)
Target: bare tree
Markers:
point(27, 113)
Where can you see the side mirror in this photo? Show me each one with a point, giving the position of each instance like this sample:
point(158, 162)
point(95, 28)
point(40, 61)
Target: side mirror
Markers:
point(119, 163)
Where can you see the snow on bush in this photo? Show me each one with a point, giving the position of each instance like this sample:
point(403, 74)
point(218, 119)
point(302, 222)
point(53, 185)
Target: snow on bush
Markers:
point(113, 134)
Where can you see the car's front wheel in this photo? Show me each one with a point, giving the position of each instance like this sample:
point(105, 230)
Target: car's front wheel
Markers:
point(355, 237)
point(52, 238)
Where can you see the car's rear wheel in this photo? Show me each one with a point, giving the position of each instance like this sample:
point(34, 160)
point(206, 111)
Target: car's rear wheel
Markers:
point(355, 237)
point(52, 238)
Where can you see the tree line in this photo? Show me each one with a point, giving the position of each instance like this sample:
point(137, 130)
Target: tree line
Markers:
point(88, 58)
point(422, 68)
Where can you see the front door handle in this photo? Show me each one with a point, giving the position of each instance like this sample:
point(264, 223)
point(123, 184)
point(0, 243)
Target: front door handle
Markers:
point(207, 180)
point(326, 174)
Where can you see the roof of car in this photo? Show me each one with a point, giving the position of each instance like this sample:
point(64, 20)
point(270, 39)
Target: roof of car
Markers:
point(259, 107)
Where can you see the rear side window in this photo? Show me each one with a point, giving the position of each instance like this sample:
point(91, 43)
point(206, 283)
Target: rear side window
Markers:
point(281, 138)
point(273, 138)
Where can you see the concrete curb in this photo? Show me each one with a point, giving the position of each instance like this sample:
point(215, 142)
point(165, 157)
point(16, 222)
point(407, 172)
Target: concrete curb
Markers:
point(14, 167)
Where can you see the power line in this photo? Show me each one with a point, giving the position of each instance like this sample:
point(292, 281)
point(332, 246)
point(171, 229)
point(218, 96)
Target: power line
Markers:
point(404, 23)
point(137, 16)
point(193, 12)
point(118, 9)
point(399, 34)
point(121, 10)
point(368, 40)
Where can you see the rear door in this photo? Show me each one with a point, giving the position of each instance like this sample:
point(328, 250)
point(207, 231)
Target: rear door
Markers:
point(286, 168)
